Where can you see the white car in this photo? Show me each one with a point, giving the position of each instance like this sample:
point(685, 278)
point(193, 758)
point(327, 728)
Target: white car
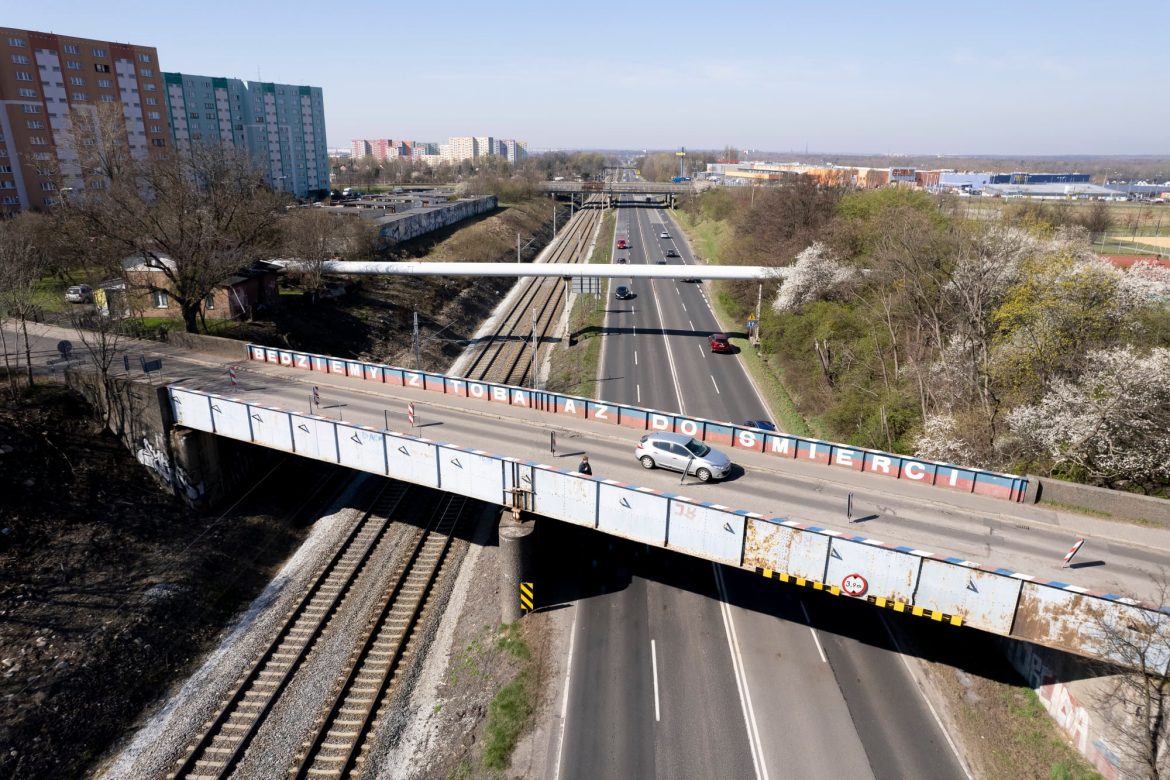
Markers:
point(79, 293)
point(664, 234)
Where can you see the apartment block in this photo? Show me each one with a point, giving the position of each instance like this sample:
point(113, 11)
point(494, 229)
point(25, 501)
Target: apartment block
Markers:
point(281, 126)
point(46, 82)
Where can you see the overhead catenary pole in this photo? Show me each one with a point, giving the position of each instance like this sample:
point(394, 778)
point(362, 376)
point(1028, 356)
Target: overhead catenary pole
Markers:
point(759, 312)
point(535, 350)
point(417, 345)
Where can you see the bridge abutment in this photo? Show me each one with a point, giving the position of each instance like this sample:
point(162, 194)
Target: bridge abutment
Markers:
point(515, 562)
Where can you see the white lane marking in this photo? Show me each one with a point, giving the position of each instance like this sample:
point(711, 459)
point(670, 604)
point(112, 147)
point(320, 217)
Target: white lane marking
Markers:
point(713, 382)
point(639, 389)
point(665, 340)
point(676, 291)
point(691, 324)
point(684, 305)
point(813, 631)
point(635, 357)
point(929, 706)
point(565, 701)
point(745, 696)
point(702, 351)
point(654, 663)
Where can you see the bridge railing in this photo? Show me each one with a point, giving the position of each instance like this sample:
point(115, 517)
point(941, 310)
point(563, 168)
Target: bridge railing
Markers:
point(966, 479)
point(901, 578)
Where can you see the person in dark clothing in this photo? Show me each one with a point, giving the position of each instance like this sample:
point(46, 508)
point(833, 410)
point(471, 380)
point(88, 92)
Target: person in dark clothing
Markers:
point(584, 467)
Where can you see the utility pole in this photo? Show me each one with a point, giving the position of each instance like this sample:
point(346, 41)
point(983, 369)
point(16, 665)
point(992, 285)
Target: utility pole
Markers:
point(759, 312)
point(417, 345)
point(535, 351)
point(554, 219)
point(517, 246)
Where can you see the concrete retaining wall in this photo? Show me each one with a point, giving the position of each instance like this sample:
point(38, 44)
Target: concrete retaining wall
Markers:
point(1129, 506)
point(412, 225)
point(214, 345)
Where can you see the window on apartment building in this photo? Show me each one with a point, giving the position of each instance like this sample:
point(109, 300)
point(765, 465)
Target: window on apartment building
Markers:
point(144, 58)
point(5, 169)
point(47, 186)
point(196, 136)
point(159, 142)
point(72, 64)
point(77, 81)
point(150, 101)
point(80, 97)
point(101, 67)
point(7, 185)
point(149, 86)
point(99, 52)
point(37, 140)
point(146, 73)
point(105, 84)
point(22, 75)
point(152, 115)
point(209, 105)
point(41, 156)
point(159, 299)
point(36, 124)
point(31, 109)
point(194, 114)
point(210, 115)
point(71, 49)
point(156, 128)
point(26, 92)
point(17, 42)
point(19, 59)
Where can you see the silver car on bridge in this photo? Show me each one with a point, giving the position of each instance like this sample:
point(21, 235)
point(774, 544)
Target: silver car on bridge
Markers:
point(679, 452)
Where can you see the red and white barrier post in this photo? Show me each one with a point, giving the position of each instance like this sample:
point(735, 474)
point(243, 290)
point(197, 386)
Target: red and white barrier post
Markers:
point(1075, 549)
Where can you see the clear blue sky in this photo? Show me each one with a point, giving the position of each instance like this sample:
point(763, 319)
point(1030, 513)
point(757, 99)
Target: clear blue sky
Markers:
point(900, 77)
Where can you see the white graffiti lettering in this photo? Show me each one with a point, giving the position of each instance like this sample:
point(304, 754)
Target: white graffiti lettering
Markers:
point(880, 463)
point(599, 411)
point(780, 445)
point(689, 427)
point(414, 380)
point(747, 439)
point(500, 394)
point(845, 458)
point(302, 361)
point(659, 423)
point(519, 398)
point(477, 391)
point(913, 469)
point(570, 406)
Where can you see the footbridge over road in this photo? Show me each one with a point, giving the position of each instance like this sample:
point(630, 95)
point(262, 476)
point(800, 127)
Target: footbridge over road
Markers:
point(784, 511)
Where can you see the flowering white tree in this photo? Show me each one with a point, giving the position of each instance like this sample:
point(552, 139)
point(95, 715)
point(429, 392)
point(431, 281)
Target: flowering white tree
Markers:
point(813, 276)
point(1113, 422)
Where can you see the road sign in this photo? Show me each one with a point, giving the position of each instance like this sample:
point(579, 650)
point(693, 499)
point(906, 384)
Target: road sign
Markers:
point(410, 414)
point(65, 347)
point(526, 600)
point(152, 365)
point(854, 585)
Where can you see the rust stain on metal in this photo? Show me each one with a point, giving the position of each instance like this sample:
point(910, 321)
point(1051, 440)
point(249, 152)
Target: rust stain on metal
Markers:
point(760, 545)
point(1056, 622)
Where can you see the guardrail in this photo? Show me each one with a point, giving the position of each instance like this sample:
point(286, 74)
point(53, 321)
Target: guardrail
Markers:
point(965, 479)
point(904, 579)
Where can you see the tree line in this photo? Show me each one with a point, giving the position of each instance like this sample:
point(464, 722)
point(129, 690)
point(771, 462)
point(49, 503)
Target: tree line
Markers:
point(1005, 344)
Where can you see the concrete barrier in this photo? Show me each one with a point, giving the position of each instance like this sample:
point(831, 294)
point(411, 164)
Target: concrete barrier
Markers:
point(231, 349)
point(1116, 503)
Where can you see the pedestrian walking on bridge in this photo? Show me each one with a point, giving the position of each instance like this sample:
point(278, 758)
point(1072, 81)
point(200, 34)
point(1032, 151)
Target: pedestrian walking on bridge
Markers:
point(584, 467)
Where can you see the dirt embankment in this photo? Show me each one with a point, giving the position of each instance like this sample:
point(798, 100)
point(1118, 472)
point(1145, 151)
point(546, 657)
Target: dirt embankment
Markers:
point(374, 320)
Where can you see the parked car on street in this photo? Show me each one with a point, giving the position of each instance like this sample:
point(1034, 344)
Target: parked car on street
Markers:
point(679, 452)
point(719, 342)
point(79, 293)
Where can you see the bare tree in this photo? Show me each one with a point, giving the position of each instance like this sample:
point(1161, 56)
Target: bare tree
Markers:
point(1137, 702)
point(22, 266)
point(194, 218)
point(314, 235)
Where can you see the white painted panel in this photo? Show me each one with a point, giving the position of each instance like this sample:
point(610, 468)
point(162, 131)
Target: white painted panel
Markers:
point(888, 572)
point(984, 600)
point(785, 550)
point(361, 449)
point(271, 428)
point(191, 409)
point(471, 474)
point(313, 438)
point(231, 419)
point(413, 461)
point(627, 512)
point(565, 497)
point(708, 533)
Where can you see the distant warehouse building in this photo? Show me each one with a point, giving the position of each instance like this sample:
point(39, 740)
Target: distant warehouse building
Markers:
point(1049, 191)
point(1039, 178)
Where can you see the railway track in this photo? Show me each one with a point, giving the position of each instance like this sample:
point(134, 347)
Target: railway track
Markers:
point(506, 356)
point(227, 735)
point(338, 746)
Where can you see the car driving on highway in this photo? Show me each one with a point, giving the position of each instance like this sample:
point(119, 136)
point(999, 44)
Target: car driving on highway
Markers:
point(679, 452)
point(623, 292)
point(672, 253)
point(664, 234)
point(719, 342)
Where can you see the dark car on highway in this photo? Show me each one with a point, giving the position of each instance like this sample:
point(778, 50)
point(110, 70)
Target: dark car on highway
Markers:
point(763, 425)
point(672, 253)
point(623, 292)
point(719, 342)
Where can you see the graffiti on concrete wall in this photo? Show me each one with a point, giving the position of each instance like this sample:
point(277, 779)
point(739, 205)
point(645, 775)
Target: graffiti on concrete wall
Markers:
point(157, 460)
point(1063, 706)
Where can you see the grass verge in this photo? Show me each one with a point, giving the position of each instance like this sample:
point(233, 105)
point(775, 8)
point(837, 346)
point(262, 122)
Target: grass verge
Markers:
point(511, 708)
point(573, 367)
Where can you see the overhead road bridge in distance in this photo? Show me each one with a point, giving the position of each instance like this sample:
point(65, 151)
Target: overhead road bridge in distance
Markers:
point(618, 188)
point(564, 270)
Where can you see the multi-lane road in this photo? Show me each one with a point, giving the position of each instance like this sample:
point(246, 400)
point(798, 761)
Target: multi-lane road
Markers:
point(682, 668)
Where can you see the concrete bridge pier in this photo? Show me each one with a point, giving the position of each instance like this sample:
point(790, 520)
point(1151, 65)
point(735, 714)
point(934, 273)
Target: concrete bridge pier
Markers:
point(515, 561)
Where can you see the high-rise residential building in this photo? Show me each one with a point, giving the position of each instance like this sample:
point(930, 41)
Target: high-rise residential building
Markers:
point(281, 126)
point(486, 145)
point(360, 148)
point(513, 150)
point(49, 80)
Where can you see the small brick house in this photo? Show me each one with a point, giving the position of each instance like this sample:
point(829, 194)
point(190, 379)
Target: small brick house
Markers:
point(239, 296)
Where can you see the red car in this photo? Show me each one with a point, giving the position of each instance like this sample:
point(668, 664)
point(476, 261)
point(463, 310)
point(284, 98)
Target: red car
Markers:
point(719, 342)
point(622, 244)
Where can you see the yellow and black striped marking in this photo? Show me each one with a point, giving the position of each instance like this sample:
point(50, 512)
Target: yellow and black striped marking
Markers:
point(881, 601)
point(526, 599)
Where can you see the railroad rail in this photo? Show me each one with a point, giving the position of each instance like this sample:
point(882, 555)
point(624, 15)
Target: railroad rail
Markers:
point(506, 356)
point(339, 744)
point(226, 737)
